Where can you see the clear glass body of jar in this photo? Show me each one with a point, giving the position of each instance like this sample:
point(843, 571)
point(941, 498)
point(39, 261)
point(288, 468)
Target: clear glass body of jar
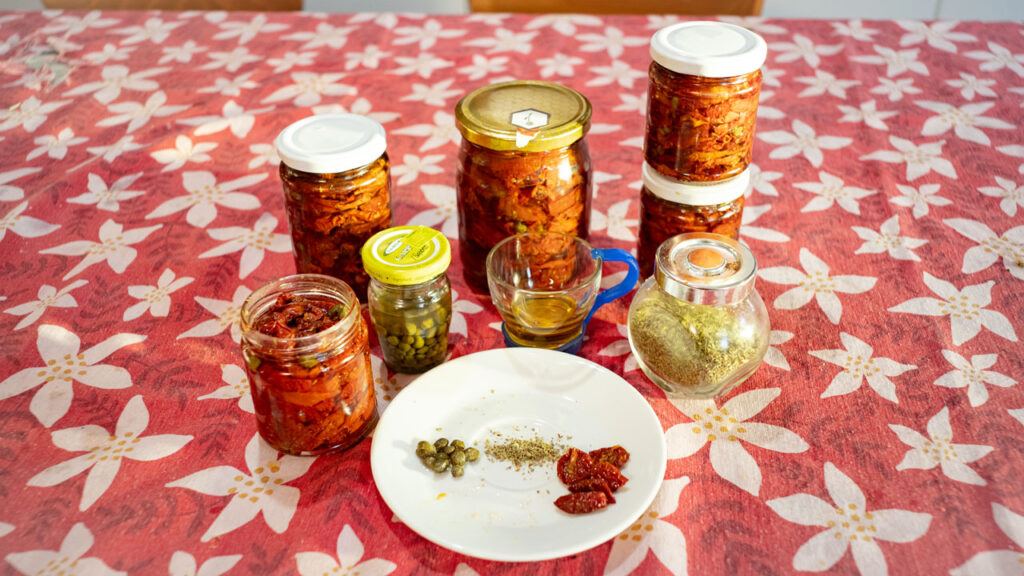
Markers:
point(332, 215)
point(700, 129)
point(312, 393)
point(412, 322)
point(503, 192)
point(660, 219)
point(695, 340)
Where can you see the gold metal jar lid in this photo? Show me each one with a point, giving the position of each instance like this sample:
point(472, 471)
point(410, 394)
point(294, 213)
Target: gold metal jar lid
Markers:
point(523, 115)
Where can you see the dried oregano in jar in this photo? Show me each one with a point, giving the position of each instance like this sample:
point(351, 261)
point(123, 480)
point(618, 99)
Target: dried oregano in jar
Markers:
point(698, 327)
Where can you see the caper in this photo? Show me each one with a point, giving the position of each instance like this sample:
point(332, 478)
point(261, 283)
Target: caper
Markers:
point(441, 465)
point(254, 362)
point(440, 443)
point(459, 444)
point(428, 461)
point(472, 454)
point(458, 458)
point(449, 449)
point(428, 323)
point(424, 449)
point(308, 361)
point(337, 311)
point(458, 471)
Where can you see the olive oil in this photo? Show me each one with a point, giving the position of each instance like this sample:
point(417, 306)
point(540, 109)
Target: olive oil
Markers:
point(544, 320)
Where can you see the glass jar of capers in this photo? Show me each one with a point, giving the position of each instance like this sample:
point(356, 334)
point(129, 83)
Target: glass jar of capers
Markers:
point(409, 295)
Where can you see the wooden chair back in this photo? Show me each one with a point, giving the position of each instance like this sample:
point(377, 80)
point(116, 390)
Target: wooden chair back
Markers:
point(701, 7)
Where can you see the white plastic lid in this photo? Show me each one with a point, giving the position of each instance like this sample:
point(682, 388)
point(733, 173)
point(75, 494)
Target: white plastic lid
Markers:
point(331, 143)
point(708, 49)
point(693, 193)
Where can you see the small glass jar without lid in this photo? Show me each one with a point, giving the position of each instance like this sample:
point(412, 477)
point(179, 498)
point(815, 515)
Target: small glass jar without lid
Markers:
point(524, 166)
point(669, 207)
point(698, 328)
point(705, 82)
point(307, 357)
point(337, 190)
point(409, 296)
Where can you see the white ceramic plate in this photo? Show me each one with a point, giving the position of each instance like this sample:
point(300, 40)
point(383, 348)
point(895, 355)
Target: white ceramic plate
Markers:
point(495, 512)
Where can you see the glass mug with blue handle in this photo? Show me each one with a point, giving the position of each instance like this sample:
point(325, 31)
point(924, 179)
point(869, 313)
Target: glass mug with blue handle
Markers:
point(546, 286)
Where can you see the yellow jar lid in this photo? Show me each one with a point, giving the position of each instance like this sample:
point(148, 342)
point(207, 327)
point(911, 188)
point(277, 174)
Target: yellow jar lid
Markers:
point(406, 255)
point(523, 115)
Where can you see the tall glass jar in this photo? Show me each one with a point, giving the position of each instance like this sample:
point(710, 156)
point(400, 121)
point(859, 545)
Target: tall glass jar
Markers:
point(524, 166)
point(669, 207)
point(705, 82)
point(337, 188)
point(307, 356)
point(410, 297)
point(698, 328)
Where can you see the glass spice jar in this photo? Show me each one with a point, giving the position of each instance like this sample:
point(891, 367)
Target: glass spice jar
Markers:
point(524, 166)
point(705, 82)
point(410, 298)
point(697, 327)
point(307, 356)
point(337, 189)
point(669, 207)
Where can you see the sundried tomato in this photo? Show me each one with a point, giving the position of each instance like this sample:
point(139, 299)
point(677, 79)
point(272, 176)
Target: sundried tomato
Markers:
point(582, 502)
point(614, 455)
point(610, 474)
point(574, 465)
point(593, 484)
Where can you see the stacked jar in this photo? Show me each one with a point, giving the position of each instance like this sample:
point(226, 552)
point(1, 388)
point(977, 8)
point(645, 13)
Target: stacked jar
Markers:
point(705, 81)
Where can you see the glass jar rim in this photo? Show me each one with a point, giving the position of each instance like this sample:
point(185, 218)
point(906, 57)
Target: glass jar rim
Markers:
point(302, 284)
point(589, 249)
point(705, 268)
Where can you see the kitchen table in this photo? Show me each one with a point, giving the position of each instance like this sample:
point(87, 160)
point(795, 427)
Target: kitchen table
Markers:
point(141, 204)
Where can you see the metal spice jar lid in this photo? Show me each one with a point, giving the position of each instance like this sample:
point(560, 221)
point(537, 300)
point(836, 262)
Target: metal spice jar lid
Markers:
point(695, 193)
point(331, 143)
point(406, 255)
point(523, 115)
point(705, 268)
point(708, 49)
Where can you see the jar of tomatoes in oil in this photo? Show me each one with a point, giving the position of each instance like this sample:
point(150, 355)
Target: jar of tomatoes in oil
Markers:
point(669, 207)
point(705, 81)
point(337, 189)
point(307, 356)
point(524, 166)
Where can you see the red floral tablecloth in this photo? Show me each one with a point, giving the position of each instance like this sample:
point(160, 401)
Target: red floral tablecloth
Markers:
point(140, 206)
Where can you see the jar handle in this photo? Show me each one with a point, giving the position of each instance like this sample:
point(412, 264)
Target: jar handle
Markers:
point(620, 289)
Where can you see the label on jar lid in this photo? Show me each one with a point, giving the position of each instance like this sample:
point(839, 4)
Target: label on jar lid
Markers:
point(406, 255)
point(523, 115)
point(708, 49)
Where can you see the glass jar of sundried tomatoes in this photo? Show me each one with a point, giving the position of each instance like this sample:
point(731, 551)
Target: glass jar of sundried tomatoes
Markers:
point(410, 297)
point(307, 355)
point(337, 188)
point(524, 166)
point(705, 82)
point(669, 207)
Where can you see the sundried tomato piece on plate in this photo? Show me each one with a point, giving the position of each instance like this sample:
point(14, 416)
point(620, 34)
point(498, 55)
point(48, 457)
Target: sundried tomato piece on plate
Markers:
point(574, 465)
point(593, 484)
point(614, 455)
point(581, 502)
point(610, 474)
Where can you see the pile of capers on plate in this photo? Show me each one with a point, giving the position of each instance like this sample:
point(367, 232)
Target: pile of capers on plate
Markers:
point(442, 455)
